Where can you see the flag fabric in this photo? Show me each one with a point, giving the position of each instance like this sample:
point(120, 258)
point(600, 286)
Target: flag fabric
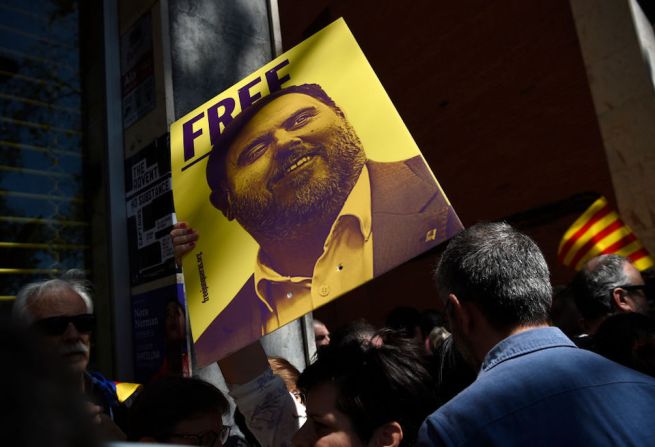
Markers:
point(598, 231)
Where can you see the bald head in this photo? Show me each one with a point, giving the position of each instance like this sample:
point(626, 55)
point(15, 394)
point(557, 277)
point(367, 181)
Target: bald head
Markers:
point(321, 333)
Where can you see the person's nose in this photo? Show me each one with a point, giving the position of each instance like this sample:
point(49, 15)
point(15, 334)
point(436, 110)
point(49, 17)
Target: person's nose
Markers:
point(285, 140)
point(71, 332)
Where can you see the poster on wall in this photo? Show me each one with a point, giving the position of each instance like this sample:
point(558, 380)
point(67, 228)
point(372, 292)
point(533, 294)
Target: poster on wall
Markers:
point(137, 71)
point(160, 334)
point(150, 215)
point(303, 183)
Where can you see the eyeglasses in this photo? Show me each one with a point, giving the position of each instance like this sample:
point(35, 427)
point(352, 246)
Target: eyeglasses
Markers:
point(57, 325)
point(207, 438)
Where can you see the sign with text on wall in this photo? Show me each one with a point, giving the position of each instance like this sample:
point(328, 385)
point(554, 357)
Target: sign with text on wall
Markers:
point(160, 333)
point(303, 183)
point(150, 215)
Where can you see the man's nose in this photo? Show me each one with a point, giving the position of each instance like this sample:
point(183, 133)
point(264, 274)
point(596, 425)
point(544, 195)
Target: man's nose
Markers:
point(71, 332)
point(285, 139)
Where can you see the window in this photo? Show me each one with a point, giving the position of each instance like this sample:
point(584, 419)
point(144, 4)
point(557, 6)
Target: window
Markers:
point(43, 224)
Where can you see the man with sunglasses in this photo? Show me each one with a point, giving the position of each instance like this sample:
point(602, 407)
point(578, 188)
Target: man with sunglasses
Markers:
point(61, 312)
point(609, 284)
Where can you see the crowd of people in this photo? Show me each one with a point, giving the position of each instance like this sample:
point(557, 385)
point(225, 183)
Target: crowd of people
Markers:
point(502, 361)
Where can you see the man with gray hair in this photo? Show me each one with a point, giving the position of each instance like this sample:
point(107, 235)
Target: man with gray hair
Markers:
point(606, 285)
point(61, 311)
point(534, 385)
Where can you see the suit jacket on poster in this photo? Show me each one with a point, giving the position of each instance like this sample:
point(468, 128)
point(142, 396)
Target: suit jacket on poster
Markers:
point(409, 215)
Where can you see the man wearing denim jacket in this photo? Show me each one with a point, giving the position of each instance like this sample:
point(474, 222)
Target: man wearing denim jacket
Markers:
point(534, 386)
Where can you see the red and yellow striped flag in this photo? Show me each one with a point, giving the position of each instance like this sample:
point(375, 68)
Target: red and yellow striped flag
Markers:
point(601, 231)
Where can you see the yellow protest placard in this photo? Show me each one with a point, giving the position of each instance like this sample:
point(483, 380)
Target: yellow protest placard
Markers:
point(303, 183)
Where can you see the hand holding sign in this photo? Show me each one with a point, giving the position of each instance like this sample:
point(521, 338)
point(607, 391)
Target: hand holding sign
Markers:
point(184, 240)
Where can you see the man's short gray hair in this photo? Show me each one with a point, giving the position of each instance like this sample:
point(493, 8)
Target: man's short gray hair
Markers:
point(72, 280)
point(499, 269)
point(593, 284)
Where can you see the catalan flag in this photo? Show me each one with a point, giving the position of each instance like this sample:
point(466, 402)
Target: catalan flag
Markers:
point(600, 231)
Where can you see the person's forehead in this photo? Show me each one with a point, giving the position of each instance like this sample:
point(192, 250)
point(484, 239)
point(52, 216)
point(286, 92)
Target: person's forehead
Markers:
point(210, 420)
point(279, 108)
point(322, 399)
point(274, 114)
point(633, 274)
point(58, 302)
point(322, 406)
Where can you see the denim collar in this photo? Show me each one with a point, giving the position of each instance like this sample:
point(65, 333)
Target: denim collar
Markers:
point(524, 343)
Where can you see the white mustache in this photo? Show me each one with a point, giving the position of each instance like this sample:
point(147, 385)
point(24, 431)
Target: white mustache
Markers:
point(74, 348)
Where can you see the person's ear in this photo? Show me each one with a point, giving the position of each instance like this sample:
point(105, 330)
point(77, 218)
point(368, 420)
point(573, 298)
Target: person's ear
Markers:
point(460, 313)
point(222, 200)
point(621, 300)
point(387, 435)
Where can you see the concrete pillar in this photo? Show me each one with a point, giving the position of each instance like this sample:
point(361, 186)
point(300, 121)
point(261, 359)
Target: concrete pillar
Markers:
point(618, 47)
point(213, 45)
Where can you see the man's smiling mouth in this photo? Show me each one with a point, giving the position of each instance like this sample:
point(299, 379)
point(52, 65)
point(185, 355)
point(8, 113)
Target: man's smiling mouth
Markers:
point(293, 164)
point(298, 164)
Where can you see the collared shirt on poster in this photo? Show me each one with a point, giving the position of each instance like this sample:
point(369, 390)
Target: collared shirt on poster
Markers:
point(346, 262)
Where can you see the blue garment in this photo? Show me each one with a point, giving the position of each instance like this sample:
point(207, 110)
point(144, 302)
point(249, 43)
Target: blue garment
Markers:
point(102, 391)
point(536, 388)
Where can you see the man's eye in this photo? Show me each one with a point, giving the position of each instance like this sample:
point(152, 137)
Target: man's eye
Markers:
point(252, 153)
point(302, 119)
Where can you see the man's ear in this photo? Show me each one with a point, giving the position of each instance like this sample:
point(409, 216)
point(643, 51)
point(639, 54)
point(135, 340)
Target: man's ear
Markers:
point(621, 300)
point(460, 313)
point(222, 200)
point(387, 435)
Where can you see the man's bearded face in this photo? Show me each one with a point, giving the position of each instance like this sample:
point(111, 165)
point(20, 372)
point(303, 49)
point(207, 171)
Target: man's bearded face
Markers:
point(293, 163)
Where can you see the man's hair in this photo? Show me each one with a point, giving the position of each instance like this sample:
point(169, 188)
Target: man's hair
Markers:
point(215, 170)
point(499, 269)
point(167, 402)
point(593, 285)
point(318, 322)
point(377, 383)
point(357, 331)
point(72, 280)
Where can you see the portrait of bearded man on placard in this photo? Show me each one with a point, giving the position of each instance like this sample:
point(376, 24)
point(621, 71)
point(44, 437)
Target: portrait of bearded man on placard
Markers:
point(291, 170)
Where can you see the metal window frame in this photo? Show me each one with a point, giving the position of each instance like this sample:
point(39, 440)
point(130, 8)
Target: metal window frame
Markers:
point(118, 267)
